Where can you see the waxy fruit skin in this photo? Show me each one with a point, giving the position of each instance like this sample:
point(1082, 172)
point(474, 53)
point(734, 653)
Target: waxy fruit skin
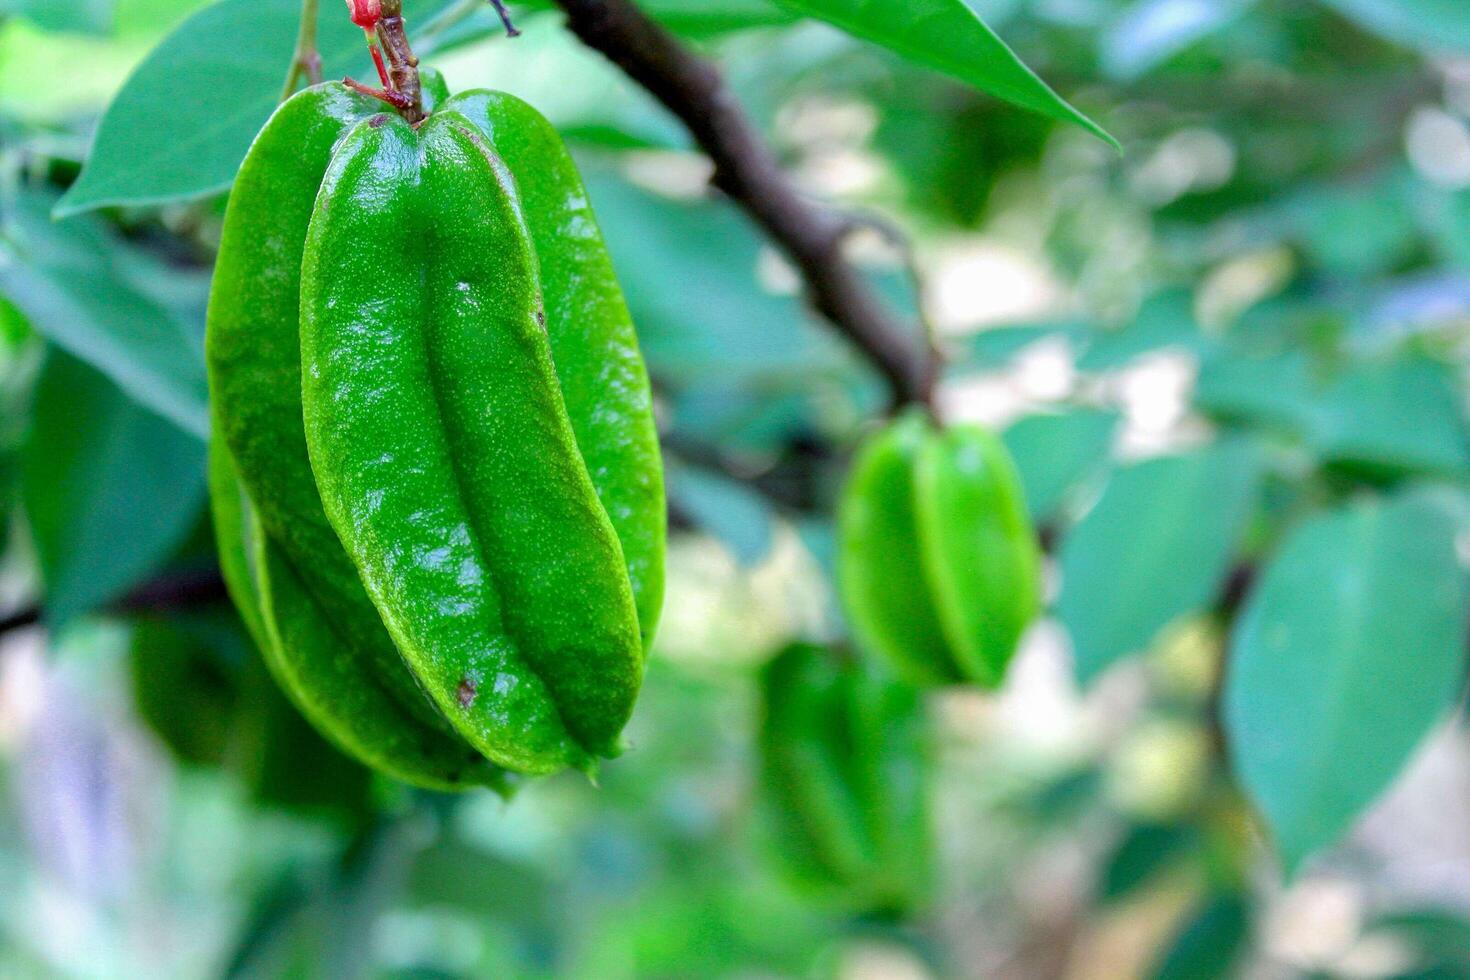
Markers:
point(449, 544)
point(938, 564)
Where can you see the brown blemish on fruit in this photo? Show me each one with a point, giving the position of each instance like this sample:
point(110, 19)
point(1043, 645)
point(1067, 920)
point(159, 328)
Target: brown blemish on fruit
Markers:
point(377, 121)
point(466, 692)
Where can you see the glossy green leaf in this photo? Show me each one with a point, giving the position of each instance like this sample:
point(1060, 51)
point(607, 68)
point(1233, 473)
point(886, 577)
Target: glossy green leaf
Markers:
point(1155, 546)
point(949, 36)
point(183, 121)
point(81, 286)
point(1431, 25)
point(1349, 649)
point(110, 488)
point(1057, 453)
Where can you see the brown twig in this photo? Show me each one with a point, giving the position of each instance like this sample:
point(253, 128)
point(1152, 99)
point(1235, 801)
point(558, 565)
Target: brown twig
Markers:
point(745, 169)
point(403, 67)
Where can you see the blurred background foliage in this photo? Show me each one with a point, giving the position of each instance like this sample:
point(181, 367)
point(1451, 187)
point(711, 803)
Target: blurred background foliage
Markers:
point(1230, 362)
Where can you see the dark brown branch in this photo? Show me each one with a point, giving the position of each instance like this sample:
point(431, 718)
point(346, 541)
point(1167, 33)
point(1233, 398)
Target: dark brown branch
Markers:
point(175, 591)
point(746, 170)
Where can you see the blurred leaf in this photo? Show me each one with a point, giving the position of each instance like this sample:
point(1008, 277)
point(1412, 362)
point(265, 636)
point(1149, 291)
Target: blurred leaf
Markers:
point(1358, 230)
point(1348, 650)
point(183, 121)
point(1404, 414)
point(1211, 945)
point(284, 762)
point(81, 16)
point(583, 94)
point(1143, 856)
point(994, 347)
point(703, 18)
point(1165, 320)
point(1440, 938)
point(110, 488)
point(948, 36)
point(1150, 32)
point(707, 18)
point(689, 271)
point(1436, 26)
point(1056, 453)
point(185, 673)
point(81, 287)
point(1273, 392)
point(1154, 547)
point(727, 509)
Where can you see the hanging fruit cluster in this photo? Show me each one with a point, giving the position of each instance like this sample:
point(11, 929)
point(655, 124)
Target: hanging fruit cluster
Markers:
point(435, 473)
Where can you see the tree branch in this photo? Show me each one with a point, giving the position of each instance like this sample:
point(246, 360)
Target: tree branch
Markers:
point(174, 591)
point(746, 170)
point(305, 62)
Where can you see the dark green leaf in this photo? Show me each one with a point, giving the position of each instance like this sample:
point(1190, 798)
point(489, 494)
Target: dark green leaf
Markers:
point(947, 35)
point(1432, 25)
point(109, 487)
point(1155, 547)
point(1144, 854)
point(1347, 652)
point(185, 673)
point(1056, 453)
point(81, 287)
point(1211, 945)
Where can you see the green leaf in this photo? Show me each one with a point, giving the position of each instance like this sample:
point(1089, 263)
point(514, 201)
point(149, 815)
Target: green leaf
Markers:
point(1165, 320)
point(994, 347)
point(83, 288)
point(1155, 546)
point(183, 121)
point(948, 36)
point(1273, 392)
point(76, 16)
point(1056, 453)
point(1400, 415)
point(109, 487)
point(1148, 33)
point(1347, 652)
point(726, 328)
point(1144, 854)
point(1430, 25)
point(1210, 946)
point(731, 511)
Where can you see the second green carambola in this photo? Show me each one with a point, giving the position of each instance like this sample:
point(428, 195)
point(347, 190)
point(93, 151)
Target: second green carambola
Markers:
point(427, 384)
point(938, 564)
